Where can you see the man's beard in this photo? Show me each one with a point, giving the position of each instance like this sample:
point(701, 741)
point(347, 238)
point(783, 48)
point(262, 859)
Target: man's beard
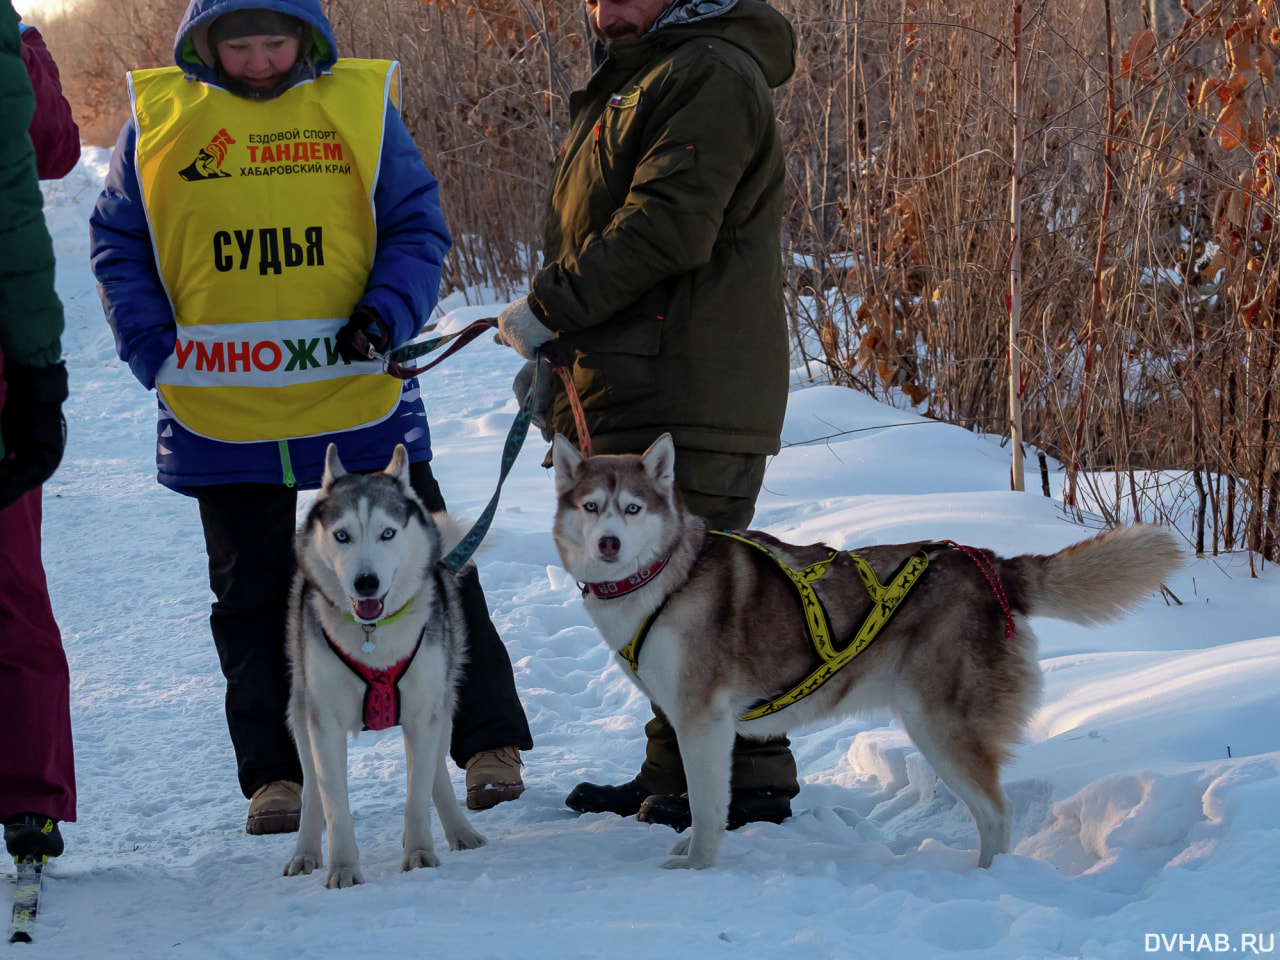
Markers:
point(620, 33)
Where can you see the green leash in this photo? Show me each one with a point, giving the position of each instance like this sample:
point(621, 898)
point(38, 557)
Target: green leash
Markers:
point(467, 546)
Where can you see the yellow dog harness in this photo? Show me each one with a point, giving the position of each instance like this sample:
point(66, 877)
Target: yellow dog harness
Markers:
point(885, 600)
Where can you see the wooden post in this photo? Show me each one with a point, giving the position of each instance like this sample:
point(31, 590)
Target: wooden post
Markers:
point(1017, 479)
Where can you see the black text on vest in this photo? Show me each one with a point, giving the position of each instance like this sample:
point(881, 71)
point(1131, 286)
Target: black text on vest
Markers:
point(272, 242)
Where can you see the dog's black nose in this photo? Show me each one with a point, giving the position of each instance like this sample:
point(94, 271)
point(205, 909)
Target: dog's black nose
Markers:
point(367, 584)
point(609, 547)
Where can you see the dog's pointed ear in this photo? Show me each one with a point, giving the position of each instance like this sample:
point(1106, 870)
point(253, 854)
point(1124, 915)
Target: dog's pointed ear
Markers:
point(660, 464)
point(399, 465)
point(333, 468)
point(566, 459)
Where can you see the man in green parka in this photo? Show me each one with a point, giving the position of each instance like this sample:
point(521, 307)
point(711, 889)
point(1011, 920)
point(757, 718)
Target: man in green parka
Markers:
point(663, 285)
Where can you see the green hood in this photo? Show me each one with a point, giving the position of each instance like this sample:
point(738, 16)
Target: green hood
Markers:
point(754, 26)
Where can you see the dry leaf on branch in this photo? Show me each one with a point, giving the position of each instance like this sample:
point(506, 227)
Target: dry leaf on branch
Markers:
point(1239, 49)
point(1137, 61)
point(1266, 67)
point(829, 337)
point(1230, 132)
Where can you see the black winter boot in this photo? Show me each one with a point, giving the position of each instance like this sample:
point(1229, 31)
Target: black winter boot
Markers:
point(32, 835)
point(745, 806)
point(624, 799)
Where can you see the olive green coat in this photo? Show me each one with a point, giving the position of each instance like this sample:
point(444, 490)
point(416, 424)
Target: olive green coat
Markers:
point(30, 312)
point(663, 273)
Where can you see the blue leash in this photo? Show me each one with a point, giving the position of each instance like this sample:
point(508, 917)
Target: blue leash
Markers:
point(460, 554)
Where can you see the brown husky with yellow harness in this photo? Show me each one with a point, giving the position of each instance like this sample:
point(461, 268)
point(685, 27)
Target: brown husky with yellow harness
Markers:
point(742, 633)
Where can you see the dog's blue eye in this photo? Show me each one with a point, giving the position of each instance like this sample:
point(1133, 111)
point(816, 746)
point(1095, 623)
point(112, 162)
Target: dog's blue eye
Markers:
point(589, 506)
point(388, 534)
point(633, 508)
point(342, 536)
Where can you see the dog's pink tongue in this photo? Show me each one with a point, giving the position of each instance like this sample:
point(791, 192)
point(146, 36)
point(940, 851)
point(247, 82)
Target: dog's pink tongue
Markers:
point(368, 609)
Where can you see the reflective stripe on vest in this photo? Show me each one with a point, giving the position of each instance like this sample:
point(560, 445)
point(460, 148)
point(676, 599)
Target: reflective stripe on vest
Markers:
point(262, 220)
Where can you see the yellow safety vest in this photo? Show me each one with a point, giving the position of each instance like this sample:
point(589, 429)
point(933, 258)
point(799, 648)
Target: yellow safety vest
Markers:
point(261, 216)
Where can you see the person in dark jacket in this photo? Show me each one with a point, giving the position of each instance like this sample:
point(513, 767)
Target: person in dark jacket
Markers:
point(53, 129)
point(37, 768)
point(266, 221)
point(662, 282)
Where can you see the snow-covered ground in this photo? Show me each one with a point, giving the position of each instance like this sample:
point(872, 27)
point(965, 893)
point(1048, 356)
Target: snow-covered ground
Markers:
point(1147, 793)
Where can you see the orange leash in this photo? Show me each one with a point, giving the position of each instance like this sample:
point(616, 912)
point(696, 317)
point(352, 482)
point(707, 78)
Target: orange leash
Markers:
point(555, 356)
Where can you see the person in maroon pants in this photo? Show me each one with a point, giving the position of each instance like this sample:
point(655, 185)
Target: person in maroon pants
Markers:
point(37, 771)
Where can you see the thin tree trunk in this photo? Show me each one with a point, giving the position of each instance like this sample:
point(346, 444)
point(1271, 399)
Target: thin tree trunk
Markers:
point(1122, 412)
point(1194, 394)
point(1270, 492)
point(1018, 481)
point(1095, 300)
point(1229, 515)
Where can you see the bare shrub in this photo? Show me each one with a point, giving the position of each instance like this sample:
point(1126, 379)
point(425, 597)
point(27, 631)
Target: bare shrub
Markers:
point(486, 89)
point(1150, 291)
point(96, 44)
point(1149, 330)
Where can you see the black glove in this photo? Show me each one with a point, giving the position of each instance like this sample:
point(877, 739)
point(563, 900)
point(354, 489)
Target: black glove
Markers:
point(546, 389)
point(365, 329)
point(31, 423)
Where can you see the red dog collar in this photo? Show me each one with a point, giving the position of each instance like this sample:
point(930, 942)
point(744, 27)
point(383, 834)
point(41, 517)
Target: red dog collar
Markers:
point(616, 588)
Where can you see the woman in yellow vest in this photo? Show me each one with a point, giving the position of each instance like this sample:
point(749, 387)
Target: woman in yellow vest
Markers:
point(265, 221)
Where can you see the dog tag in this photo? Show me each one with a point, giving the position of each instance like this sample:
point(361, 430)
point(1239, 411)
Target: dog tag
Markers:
point(366, 647)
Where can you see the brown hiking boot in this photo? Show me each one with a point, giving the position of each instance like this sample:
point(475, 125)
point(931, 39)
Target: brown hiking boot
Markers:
point(275, 807)
point(493, 776)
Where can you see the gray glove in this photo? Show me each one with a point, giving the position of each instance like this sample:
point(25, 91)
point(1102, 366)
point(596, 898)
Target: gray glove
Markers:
point(520, 329)
point(545, 392)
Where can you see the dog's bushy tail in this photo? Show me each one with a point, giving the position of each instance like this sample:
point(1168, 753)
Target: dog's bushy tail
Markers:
point(1102, 578)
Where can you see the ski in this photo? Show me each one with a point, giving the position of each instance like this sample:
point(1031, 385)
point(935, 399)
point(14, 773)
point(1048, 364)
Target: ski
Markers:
point(26, 898)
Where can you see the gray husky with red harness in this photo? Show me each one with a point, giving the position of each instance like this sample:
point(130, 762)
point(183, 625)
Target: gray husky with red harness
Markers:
point(376, 638)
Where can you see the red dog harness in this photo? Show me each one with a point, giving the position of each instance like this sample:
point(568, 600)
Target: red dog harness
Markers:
point(381, 687)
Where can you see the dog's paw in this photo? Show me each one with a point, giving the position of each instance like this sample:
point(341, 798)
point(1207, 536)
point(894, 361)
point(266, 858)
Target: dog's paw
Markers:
point(467, 840)
point(302, 863)
point(417, 859)
point(682, 860)
point(341, 877)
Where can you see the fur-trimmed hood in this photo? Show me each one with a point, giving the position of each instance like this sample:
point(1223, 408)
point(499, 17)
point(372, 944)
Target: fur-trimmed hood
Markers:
point(191, 49)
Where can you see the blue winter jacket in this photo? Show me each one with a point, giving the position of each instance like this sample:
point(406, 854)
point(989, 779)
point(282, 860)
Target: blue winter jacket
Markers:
point(412, 240)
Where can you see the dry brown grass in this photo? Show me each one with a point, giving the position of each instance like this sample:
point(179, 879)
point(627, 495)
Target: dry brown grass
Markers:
point(899, 134)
